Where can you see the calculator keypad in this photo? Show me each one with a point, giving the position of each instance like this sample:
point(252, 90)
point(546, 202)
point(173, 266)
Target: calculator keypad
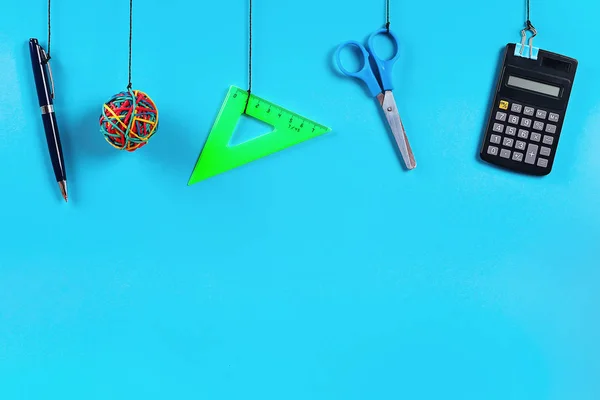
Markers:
point(523, 134)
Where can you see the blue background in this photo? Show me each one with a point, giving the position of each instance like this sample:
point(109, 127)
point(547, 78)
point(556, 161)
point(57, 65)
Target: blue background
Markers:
point(324, 271)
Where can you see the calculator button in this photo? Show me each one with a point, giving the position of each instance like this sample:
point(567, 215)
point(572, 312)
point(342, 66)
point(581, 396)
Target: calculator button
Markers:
point(511, 130)
point(523, 134)
point(538, 126)
point(517, 156)
point(492, 150)
point(551, 128)
point(526, 122)
point(553, 117)
point(532, 150)
point(513, 119)
point(501, 116)
point(503, 104)
point(528, 111)
point(542, 162)
point(498, 127)
point(516, 108)
point(520, 145)
point(536, 137)
point(548, 140)
point(508, 142)
point(495, 139)
point(541, 114)
point(545, 151)
point(505, 153)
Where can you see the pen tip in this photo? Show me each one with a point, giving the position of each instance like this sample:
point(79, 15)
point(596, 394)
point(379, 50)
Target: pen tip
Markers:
point(63, 190)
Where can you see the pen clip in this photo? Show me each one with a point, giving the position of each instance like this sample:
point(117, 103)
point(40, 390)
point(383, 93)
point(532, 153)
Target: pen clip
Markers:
point(46, 60)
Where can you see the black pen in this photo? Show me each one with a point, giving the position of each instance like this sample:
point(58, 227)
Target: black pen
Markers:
point(45, 91)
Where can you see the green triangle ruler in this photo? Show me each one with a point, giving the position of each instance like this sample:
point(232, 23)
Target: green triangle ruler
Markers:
point(219, 156)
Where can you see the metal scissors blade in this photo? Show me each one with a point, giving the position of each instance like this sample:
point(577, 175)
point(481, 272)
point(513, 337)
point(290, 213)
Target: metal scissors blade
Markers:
point(388, 103)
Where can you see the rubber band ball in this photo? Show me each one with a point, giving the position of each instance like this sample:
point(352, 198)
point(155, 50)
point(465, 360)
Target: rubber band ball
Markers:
point(129, 119)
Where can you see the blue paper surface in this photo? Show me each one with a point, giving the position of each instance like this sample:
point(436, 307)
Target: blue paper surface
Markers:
point(321, 272)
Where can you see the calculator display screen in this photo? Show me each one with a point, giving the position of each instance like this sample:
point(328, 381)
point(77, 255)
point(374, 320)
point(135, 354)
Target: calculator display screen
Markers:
point(534, 86)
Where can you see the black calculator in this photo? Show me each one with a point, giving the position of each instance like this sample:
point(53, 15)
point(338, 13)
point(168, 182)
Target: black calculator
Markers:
point(528, 112)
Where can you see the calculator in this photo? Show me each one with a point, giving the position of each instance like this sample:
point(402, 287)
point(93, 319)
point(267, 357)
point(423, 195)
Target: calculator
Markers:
point(528, 112)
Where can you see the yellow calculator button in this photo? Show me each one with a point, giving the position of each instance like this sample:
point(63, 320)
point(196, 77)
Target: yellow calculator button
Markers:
point(504, 104)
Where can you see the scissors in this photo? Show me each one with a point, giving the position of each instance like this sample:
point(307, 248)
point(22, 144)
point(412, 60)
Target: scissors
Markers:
point(380, 85)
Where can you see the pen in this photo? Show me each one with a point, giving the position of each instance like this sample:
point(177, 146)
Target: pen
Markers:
point(45, 91)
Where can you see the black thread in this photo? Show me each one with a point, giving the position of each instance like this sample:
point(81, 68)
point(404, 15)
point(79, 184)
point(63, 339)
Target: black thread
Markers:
point(528, 23)
point(49, 30)
point(249, 56)
point(130, 37)
point(387, 15)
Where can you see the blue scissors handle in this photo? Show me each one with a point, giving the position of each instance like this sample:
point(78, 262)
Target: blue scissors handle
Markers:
point(385, 67)
point(365, 73)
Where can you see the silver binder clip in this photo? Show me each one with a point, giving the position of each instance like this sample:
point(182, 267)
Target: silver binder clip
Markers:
point(527, 50)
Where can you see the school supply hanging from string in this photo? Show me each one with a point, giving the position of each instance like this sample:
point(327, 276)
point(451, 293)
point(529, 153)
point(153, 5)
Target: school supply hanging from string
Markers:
point(377, 75)
point(530, 103)
point(218, 155)
point(44, 83)
point(130, 118)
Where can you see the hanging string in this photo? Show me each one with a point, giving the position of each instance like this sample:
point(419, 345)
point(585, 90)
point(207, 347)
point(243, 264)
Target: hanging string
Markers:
point(49, 30)
point(528, 21)
point(387, 15)
point(130, 37)
point(249, 56)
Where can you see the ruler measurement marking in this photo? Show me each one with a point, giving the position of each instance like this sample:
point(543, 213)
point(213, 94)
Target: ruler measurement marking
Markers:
point(273, 110)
